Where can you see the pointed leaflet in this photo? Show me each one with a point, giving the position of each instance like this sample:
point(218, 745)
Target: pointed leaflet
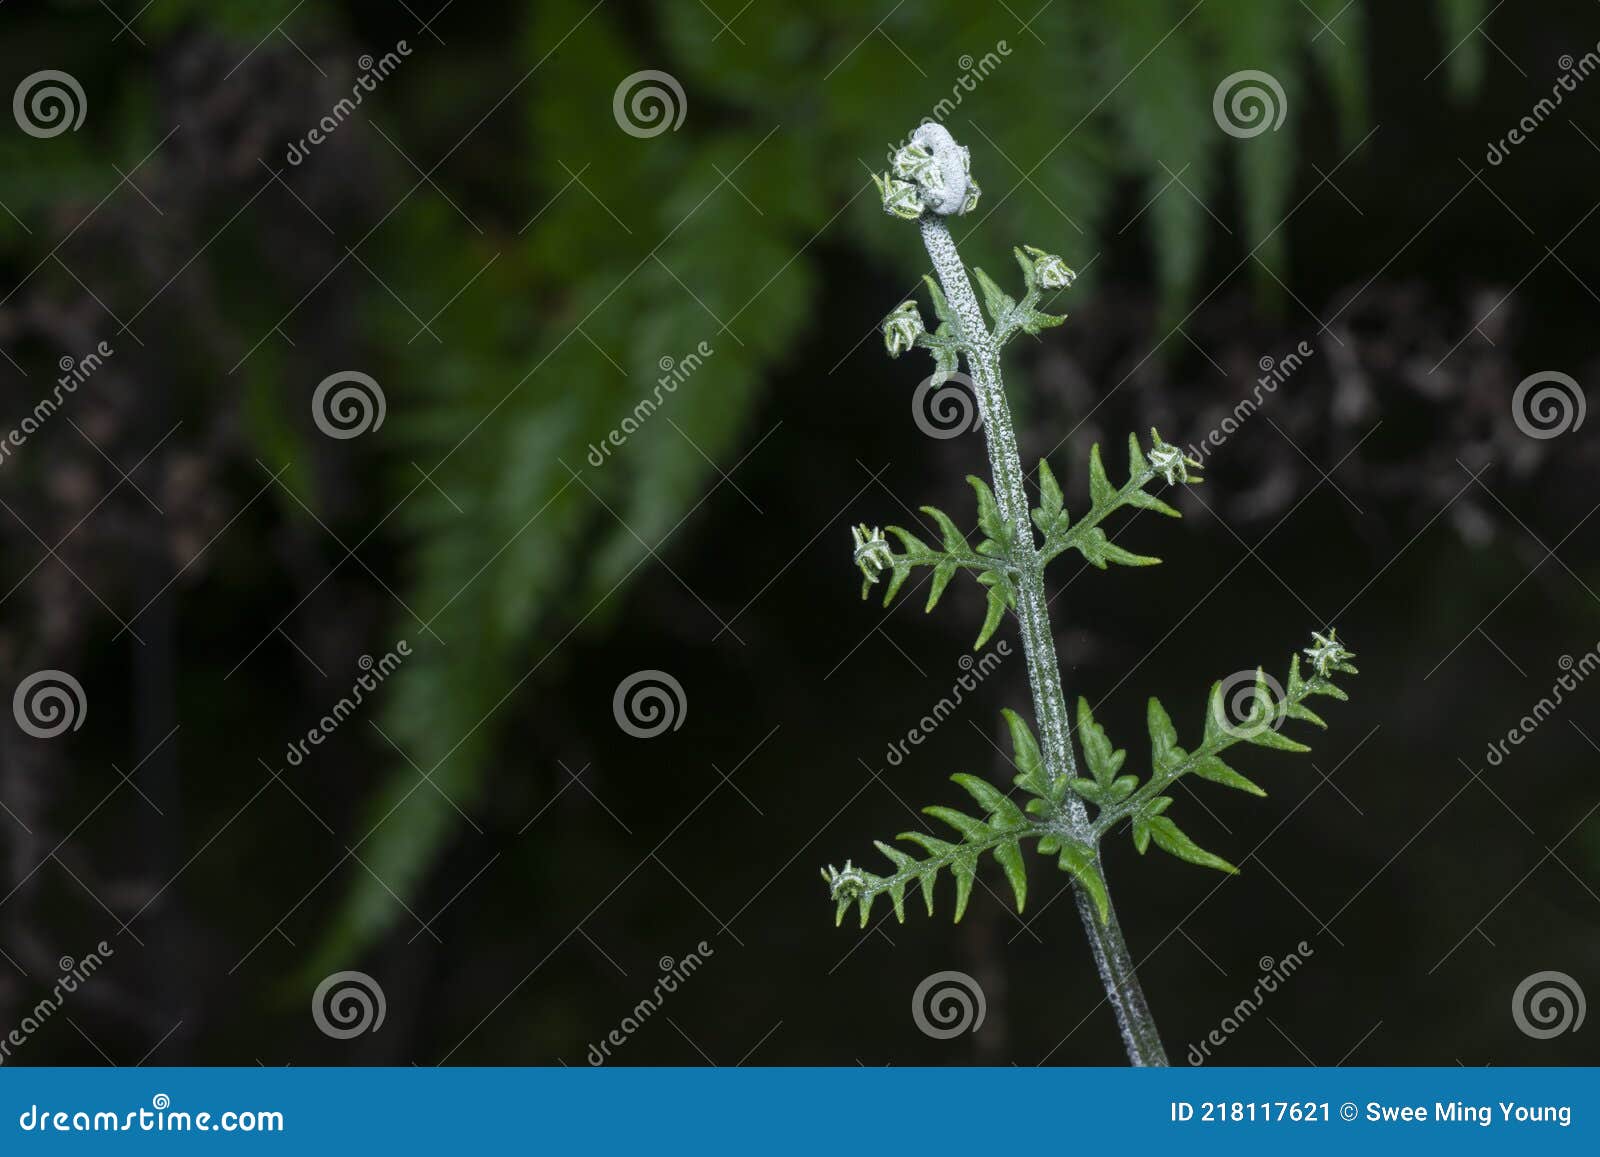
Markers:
point(1100, 550)
point(1267, 737)
point(1144, 817)
point(1049, 511)
point(941, 308)
point(954, 541)
point(1170, 839)
point(1103, 761)
point(994, 611)
point(1031, 774)
point(942, 575)
point(897, 892)
point(914, 547)
point(1165, 754)
point(998, 302)
point(1009, 857)
point(1212, 768)
point(939, 853)
point(1298, 690)
point(1003, 814)
point(989, 520)
point(1136, 495)
point(1101, 492)
point(1269, 714)
point(1080, 861)
point(942, 342)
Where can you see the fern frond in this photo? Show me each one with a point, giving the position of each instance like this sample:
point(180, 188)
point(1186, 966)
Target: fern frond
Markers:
point(1041, 273)
point(990, 559)
point(1087, 536)
point(999, 833)
point(1120, 797)
point(943, 342)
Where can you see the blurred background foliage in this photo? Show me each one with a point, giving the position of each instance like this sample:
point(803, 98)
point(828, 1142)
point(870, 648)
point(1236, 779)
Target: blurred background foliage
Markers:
point(512, 268)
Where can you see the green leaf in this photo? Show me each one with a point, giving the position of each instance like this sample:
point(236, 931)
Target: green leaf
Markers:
point(971, 829)
point(1267, 737)
point(1104, 762)
point(995, 610)
point(1004, 815)
point(910, 543)
point(1031, 320)
point(1101, 492)
point(965, 870)
point(1080, 862)
point(1009, 857)
point(1090, 790)
point(954, 541)
point(1031, 774)
point(1049, 512)
point(942, 575)
point(941, 308)
point(1100, 550)
point(1212, 768)
point(1165, 754)
point(989, 520)
point(1170, 839)
point(998, 302)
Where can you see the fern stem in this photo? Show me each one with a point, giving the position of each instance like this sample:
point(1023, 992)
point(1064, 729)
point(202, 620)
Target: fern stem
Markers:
point(1112, 959)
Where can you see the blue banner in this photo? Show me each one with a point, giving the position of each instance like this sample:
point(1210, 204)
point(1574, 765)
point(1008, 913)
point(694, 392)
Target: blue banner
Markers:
point(811, 1111)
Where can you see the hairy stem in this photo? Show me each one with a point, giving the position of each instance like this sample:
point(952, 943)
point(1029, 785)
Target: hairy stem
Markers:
point(1111, 955)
